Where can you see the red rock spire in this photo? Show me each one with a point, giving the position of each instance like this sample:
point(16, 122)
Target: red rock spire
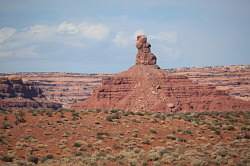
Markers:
point(144, 55)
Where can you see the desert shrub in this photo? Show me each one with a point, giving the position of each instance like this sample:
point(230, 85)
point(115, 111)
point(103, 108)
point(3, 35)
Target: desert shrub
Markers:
point(171, 136)
point(50, 156)
point(115, 110)
point(77, 144)
point(245, 128)
point(34, 113)
point(109, 118)
point(113, 116)
point(28, 138)
point(75, 115)
point(179, 139)
point(78, 153)
point(136, 121)
point(126, 113)
point(66, 134)
point(65, 110)
point(146, 141)
point(228, 127)
point(106, 111)
point(20, 117)
point(144, 163)
point(3, 140)
point(49, 113)
point(135, 135)
point(215, 130)
point(198, 162)
point(7, 158)
point(98, 110)
point(159, 115)
point(62, 114)
point(153, 131)
point(153, 155)
point(174, 137)
point(244, 135)
point(33, 159)
point(187, 132)
point(47, 157)
point(101, 135)
point(6, 124)
point(139, 113)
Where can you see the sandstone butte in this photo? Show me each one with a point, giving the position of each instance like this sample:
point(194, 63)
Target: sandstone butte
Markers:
point(146, 87)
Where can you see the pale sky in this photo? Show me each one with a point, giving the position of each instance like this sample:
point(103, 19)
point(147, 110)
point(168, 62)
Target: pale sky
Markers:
point(91, 36)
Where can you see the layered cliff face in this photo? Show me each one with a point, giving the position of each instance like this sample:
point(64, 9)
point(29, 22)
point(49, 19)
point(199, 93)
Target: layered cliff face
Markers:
point(15, 87)
point(70, 88)
point(64, 89)
point(15, 93)
point(145, 87)
point(235, 80)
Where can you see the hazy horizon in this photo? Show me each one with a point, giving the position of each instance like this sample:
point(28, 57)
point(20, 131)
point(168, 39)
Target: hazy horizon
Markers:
point(99, 36)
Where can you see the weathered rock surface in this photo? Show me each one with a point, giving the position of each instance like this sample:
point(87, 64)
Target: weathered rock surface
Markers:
point(15, 87)
point(70, 88)
point(62, 88)
point(15, 93)
point(144, 55)
point(145, 87)
point(233, 79)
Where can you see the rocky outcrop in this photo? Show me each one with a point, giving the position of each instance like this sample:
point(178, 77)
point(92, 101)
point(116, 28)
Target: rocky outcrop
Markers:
point(15, 93)
point(235, 79)
point(70, 88)
point(15, 87)
point(65, 88)
point(144, 55)
point(145, 87)
point(62, 88)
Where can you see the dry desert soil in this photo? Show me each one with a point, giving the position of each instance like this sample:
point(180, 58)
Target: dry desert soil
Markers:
point(115, 137)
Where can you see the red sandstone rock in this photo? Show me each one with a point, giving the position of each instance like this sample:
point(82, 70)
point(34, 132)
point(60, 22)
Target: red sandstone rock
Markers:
point(69, 88)
point(138, 90)
point(144, 55)
point(144, 87)
point(15, 93)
